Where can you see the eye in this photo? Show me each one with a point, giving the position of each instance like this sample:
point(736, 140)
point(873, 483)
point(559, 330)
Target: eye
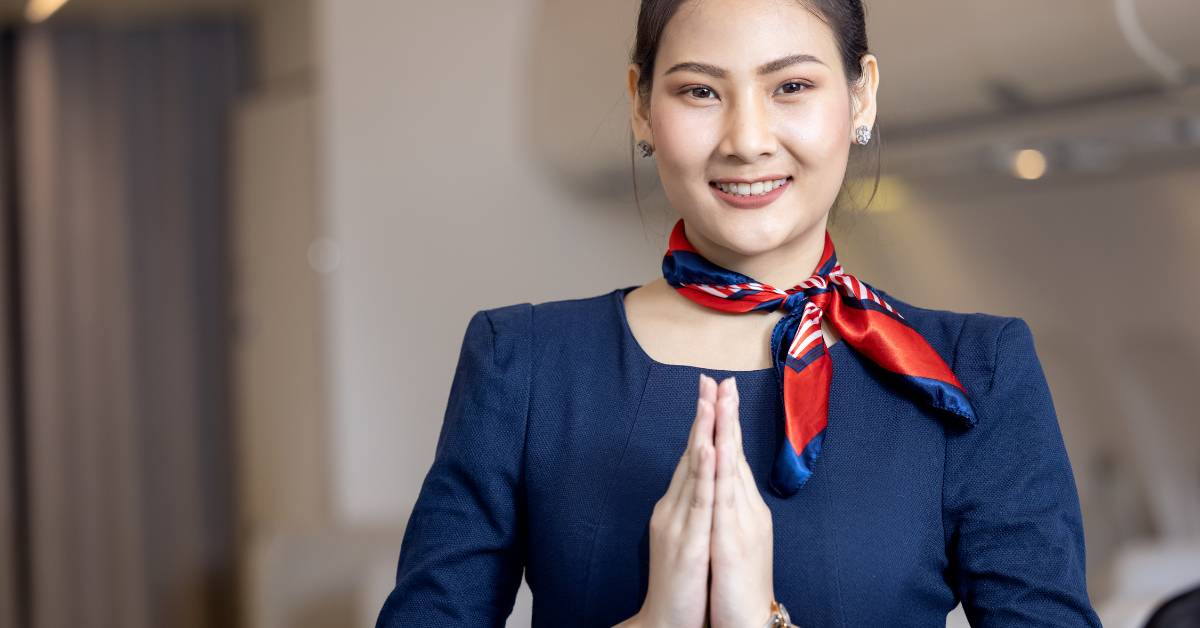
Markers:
point(796, 87)
point(699, 92)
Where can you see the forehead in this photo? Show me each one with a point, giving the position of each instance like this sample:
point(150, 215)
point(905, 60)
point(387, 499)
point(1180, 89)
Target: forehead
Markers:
point(740, 35)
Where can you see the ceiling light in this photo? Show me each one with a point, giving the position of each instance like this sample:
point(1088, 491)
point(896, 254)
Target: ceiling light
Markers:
point(38, 10)
point(1029, 164)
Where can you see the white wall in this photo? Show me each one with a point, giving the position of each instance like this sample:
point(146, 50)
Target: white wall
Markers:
point(437, 213)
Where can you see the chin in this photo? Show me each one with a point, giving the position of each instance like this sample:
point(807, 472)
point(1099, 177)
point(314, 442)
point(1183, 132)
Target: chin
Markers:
point(749, 234)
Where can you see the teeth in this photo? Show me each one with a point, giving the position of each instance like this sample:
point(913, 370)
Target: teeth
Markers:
point(758, 188)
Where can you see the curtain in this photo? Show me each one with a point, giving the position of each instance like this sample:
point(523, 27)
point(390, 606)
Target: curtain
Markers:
point(11, 551)
point(125, 453)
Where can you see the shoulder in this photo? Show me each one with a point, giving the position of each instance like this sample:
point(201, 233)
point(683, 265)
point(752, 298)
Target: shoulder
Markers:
point(548, 321)
point(976, 345)
point(553, 312)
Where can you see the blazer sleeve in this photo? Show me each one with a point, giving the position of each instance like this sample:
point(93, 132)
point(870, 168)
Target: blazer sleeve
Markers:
point(1012, 516)
point(462, 554)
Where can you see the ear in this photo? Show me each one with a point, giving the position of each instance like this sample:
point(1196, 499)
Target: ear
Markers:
point(639, 115)
point(863, 101)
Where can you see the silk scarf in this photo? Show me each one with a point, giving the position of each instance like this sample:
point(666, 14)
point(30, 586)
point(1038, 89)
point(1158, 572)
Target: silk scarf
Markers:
point(800, 357)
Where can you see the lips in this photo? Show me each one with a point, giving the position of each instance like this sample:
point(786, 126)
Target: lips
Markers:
point(751, 201)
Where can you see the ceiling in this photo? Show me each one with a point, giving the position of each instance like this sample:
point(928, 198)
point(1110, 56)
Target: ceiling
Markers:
point(948, 69)
point(940, 59)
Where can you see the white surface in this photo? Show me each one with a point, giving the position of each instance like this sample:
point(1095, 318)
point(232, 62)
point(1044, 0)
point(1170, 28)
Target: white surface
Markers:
point(1145, 575)
point(437, 213)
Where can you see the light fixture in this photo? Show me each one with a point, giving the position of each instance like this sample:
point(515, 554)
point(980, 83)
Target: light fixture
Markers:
point(1029, 164)
point(38, 10)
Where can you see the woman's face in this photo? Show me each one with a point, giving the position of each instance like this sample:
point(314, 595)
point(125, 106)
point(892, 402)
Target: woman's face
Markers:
point(751, 90)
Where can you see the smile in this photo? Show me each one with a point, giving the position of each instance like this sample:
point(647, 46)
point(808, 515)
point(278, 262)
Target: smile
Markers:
point(750, 195)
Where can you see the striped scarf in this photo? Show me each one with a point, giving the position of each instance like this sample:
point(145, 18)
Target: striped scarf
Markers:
point(801, 360)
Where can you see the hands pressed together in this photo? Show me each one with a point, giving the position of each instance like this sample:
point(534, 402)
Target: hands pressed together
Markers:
point(711, 539)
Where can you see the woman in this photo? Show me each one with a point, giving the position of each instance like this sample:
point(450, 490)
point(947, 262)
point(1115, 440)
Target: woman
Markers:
point(861, 462)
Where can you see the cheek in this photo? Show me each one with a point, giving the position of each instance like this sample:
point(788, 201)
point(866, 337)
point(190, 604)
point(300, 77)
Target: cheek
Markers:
point(685, 137)
point(818, 131)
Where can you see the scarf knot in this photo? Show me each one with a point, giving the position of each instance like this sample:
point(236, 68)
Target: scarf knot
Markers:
point(815, 289)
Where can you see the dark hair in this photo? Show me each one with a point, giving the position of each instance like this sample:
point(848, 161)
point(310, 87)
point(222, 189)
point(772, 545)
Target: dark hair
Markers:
point(846, 18)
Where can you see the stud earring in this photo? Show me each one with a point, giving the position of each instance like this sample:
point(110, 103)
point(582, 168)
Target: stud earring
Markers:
point(862, 134)
point(647, 149)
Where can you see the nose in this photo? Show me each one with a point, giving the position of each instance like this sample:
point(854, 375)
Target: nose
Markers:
point(749, 132)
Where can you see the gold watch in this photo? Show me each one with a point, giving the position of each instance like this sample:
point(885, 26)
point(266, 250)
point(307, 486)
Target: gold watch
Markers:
point(779, 617)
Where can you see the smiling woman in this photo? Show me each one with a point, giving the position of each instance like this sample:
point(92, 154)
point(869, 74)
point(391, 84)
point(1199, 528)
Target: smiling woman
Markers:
point(789, 100)
point(874, 463)
point(844, 58)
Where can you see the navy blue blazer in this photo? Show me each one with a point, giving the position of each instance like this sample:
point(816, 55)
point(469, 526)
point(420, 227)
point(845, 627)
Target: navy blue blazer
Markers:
point(561, 433)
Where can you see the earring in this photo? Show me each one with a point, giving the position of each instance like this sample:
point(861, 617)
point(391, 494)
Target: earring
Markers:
point(862, 134)
point(647, 149)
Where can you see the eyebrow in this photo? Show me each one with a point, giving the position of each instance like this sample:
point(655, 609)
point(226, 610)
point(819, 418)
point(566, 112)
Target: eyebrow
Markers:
point(766, 68)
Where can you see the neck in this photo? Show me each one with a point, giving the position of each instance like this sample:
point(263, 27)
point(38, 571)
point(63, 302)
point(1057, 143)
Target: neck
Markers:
point(782, 267)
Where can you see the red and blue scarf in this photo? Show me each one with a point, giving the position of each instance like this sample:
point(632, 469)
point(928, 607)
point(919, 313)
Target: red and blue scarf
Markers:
point(863, 319)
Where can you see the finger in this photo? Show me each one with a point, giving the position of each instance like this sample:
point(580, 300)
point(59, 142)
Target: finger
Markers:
point(743, 466)
point(697, 524)
point(708, 391)
point(745, 472)
point(726, 472)
point(743, 479)
point(679, 478)
point(737, 425)
point(700, 440)
point(744, 475)
point(696, 491)
point(747, 477)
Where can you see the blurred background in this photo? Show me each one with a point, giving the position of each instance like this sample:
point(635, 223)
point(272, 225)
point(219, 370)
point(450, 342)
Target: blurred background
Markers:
point(221, 390)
